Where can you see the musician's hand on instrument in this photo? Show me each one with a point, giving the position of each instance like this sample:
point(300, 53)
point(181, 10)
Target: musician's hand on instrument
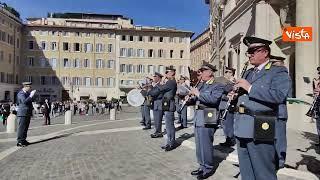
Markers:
point(243, 84)
point(187, 97)
point(232, 79)
point(195, 91)
point(231, 95)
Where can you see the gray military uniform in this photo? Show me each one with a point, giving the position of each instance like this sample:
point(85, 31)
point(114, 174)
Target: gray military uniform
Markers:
point(146, 111)
point(24, 114)
point(157, 108)
point(270, 88)
point(183, 114)
point(168, 90)
point(210, 96)
point(227, 124)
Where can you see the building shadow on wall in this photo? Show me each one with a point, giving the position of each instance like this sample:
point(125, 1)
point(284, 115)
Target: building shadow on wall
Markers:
point(42, 69)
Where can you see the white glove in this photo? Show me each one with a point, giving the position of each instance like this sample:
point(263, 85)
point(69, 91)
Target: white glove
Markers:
point(32, 93)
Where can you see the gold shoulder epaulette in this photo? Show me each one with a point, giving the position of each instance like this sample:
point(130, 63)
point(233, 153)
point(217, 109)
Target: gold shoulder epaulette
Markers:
point(268, 66)
point(210, 81)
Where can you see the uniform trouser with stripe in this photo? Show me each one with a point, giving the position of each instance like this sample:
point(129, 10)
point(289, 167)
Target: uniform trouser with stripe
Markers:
point(157, 116)
point(24, 122)
point(257, 160)
point(228, 125)
point(183, 116)
point(171, 131)
point(204, 147)
point(147, 116)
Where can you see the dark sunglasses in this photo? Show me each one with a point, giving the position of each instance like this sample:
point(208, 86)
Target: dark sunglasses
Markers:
point(228, 72)
point(254, 50)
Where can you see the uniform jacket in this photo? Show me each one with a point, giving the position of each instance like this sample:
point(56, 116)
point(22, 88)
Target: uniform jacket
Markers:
point(168, 90)
point(24, 104)
point(228, 86)
point(270, 88)
point(210, 96)
point(157, 97)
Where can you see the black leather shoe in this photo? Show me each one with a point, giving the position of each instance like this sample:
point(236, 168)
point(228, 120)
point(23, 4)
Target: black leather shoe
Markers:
point(143, 124)
point(226, 144)
point(146, 128)
point(21, 144)
point(164, 147)
point(156, 135)
point(229, 142)
point(26, 143)
point(204, 176)
point(169, 148)
point(196, 172)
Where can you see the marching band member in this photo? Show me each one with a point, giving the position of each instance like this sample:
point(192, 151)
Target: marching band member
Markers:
point(207, 97)
point(168, 89)
point(265, 87)
point(228, 122)
point(316, 90)
point(182, 91)
point(147, 103)
point(157, 106)
point(281, 123)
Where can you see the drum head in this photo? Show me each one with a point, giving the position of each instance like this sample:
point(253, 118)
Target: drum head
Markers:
point(135, 98)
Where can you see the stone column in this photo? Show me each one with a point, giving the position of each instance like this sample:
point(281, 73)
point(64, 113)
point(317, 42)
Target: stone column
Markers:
point(307, 53)
point(262, 20)
point(113, 114)
point(68, 117)
point(11, 123)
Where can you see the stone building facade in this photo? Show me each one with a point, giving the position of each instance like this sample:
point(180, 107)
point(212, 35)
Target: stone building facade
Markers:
point(232, 20)
point(96, 56)
point(200, 49)
point(10, 54)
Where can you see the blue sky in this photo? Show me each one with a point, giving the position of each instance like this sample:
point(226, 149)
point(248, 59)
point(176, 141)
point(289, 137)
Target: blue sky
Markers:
point(192, 15)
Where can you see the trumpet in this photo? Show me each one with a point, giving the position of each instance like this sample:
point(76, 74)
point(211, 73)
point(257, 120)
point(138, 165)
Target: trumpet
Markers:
point(230, 100)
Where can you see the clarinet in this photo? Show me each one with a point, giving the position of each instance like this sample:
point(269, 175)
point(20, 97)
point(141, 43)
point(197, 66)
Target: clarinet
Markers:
point(185, 101)
point(230, 101)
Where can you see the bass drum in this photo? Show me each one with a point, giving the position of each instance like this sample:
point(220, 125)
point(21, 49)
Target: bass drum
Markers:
point(135, 98)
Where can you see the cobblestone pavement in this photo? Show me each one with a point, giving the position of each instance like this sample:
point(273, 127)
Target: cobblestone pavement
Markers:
point(97, 148)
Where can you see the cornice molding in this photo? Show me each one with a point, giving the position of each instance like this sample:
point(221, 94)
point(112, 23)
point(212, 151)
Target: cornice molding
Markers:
point(237, 12)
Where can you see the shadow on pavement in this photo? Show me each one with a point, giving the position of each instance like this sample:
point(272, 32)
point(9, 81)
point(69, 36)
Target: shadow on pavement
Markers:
point(314, 140)
point(311, 162)
point(238, 174)
point(52, 138)
point(183, 137)
point(225, 151)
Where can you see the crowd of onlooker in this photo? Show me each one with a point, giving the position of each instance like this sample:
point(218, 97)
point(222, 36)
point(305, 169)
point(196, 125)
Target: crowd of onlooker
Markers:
point(48, 109)
point(84, 107)
point(5, 110)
